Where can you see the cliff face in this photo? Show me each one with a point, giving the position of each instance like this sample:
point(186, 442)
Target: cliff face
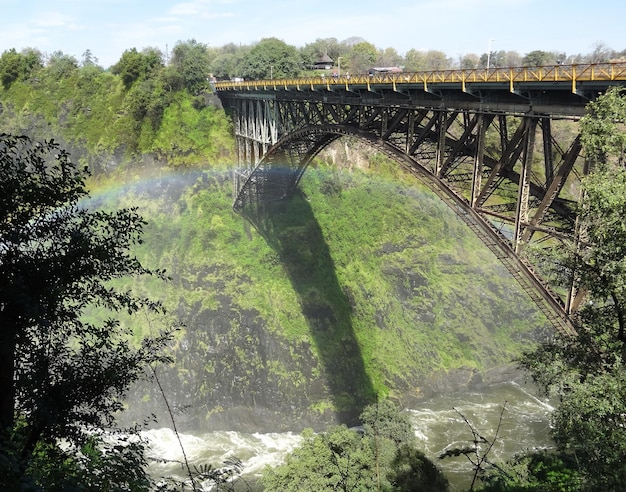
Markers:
point(364, 284)
point(359, 286)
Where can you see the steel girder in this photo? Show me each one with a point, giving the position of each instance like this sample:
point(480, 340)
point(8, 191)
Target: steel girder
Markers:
point(511, 177)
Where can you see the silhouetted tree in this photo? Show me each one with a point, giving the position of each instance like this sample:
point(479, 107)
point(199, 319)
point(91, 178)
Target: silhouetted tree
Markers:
point(62, 376)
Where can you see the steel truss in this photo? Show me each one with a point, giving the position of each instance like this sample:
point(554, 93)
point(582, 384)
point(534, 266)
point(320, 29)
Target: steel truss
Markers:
point(511, 177)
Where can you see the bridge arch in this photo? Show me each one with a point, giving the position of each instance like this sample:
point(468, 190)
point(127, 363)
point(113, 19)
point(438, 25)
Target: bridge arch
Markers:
point(279, 172)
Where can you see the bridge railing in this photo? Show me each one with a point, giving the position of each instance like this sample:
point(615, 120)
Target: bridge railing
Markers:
point(614, 71)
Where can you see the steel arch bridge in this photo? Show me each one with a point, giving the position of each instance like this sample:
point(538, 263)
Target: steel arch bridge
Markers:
point(500, 147)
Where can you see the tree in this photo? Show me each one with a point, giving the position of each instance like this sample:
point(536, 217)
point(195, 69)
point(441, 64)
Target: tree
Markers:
point(414, 61)
point(312, 52)
point(601, 53)
point(134, 65)
point(389, 57)
point(229, 61)
point(495, 59)
point(538, 471)
point(361, 57)
point(62, 376)
point(381, 457)
point(191, 62)
point(89, 59)
point(271, 58)
point(536, 58)
point(512, 59)
point(334, 460)
point(469, 61)
point(417, 61)
point(412, 471)
point(436, 60)
point(61, 65)
point(18, 66)
point(587, 372)
point(384, 419)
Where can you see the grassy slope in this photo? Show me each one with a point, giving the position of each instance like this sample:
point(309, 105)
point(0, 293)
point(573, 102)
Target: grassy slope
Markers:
point(363, 286)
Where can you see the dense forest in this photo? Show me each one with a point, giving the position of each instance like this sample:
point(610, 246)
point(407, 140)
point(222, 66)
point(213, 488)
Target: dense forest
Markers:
point(367, 290)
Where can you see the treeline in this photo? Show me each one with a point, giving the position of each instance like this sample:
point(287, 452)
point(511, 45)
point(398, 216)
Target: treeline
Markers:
point(139, 107)
point(159, 104)
point(191, 63)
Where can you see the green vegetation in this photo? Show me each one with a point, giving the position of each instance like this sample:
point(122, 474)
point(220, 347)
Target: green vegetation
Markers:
point(357, 291)
point(107, 119)
point(366, 285)
point(362, 287)
point(63, 377)
point(586, 372)
point(382, 457)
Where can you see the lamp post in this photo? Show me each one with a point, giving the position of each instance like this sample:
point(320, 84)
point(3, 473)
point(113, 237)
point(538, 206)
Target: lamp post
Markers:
point(489, 53)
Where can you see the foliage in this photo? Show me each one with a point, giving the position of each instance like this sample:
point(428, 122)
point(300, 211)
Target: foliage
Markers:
point(103, 123)
point(538, 471)
point(61, 65)
point(349, 305)
point(62, 376)
point(134, 65)
point(603, 130)
point(361, 57)
point(416, 60)
point(382, 419)
point(334, 460)
point(348, 460)
point(188, 136)
point(538, 58)
point(190, 62)
point(227, 60)
point(271, 57)
point(412, 471)
point(226, 66)
point(586, 371)
point(18, 66)
point(312, 52)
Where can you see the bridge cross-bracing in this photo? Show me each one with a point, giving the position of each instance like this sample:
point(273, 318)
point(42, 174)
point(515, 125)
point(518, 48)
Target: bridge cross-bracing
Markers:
point(499, 146)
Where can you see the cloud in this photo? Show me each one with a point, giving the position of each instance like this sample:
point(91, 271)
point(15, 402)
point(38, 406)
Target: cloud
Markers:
point(53, 20)
point(199, 8)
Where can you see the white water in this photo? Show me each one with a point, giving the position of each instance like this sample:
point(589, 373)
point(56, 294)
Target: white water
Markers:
point(524, 425)
point(437, 426)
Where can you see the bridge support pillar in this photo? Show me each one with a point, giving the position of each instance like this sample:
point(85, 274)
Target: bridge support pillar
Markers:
point(523, 194)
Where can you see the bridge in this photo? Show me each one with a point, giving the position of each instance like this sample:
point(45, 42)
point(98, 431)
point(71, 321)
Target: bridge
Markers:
point(500, 146)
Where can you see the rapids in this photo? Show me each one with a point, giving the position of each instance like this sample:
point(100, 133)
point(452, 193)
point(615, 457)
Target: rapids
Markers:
point(438, 422)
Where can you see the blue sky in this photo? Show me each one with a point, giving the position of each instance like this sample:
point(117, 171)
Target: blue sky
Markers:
point(457, 27)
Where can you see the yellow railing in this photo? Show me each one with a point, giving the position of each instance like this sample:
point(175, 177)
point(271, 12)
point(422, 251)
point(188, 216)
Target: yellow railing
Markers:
point(557, 73)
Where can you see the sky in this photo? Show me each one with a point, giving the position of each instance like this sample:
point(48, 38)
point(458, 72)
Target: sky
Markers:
point(457, 27)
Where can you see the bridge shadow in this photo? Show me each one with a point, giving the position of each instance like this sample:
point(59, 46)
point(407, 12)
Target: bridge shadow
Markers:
point(291, 229)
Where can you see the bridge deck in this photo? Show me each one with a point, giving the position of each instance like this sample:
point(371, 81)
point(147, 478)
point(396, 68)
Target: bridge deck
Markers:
point(559, 89)
point(571, 74)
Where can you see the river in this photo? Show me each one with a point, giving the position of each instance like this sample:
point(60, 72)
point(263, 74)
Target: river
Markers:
point(438, 422)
